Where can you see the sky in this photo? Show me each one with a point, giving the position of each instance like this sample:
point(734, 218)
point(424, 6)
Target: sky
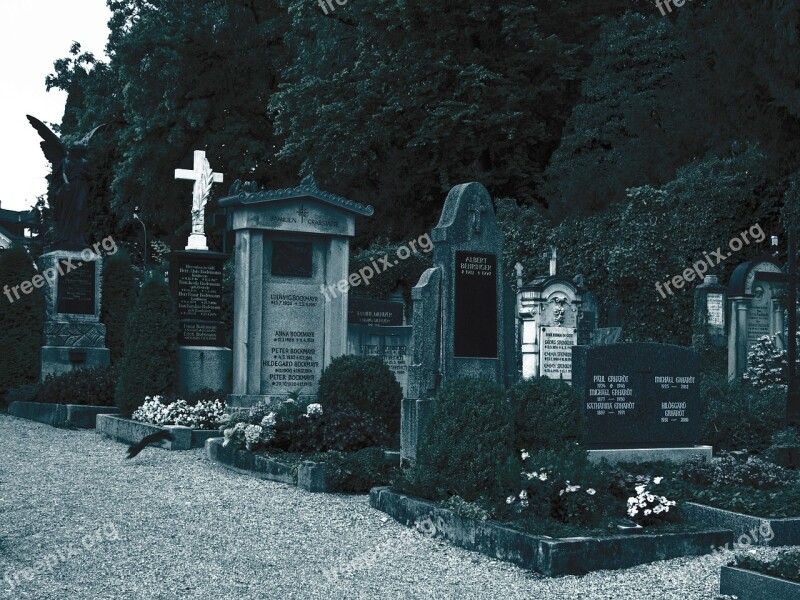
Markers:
point(33, 34)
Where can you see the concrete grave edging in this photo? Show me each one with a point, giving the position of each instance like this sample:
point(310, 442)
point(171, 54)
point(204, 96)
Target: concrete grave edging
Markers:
point(78, 416)
point(786, 532)
point(129, 431)
point(549, 556)
point(751, 585)
point(309, 476)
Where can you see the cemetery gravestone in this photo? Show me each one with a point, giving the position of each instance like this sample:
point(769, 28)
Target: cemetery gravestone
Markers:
point(74, 337)
point(556, 314)
point(638, 396)
point(709, 313)
point(755, 310)
point(290, 301)
point(463, 309)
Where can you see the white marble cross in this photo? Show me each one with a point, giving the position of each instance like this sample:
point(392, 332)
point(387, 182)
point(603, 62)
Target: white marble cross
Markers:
point(203, 178)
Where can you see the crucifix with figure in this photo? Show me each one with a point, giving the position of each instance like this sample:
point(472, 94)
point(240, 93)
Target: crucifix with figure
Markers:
point(203, 178)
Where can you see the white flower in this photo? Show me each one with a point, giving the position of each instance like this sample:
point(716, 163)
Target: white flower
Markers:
point(639, 489)
point(268, 421)
point(647, 511)
point(650, 497)
point(314, 410)
point(510, 500)
point(523, 495)
point(657, 480)
point(525, 455)
point(591, 491)
point(532, 475)
point(657, 509)
point(542, 476)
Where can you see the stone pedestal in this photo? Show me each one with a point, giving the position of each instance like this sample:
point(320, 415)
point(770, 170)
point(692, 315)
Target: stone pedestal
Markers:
point(74, 338)
point(195, 279)
point(292, 279)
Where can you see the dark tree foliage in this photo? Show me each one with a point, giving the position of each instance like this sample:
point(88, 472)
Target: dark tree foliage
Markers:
point(150, 363)
point(21, 322)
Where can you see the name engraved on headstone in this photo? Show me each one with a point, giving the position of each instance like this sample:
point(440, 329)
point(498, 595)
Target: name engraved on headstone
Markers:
point(295, 354)
point(715, 309)
point(557, 343)
point(362, 311)
point(199, 290)
point(674, 411)
point(475, 321)
point(611, 395)
point(76, 290)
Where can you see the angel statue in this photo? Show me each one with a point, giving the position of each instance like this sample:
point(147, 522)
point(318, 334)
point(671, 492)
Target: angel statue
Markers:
point(69, 183)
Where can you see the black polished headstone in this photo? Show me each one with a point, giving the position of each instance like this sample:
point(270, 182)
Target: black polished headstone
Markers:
point(363, 311)
point(76, 289)
point(195, 279)
point(475, 320)
point(642, 395)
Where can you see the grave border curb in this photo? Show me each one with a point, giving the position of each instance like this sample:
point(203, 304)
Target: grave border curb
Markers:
point(309, 475)
point(766, 587)
point(129, 431)
point(550, 556)
point(786, 532)
point(77, 416)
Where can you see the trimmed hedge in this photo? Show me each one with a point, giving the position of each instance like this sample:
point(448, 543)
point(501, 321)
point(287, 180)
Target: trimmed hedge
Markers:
point(149, 365)
point(364, 383)
point(466, 448)
point(21, 322)
point(547, 414)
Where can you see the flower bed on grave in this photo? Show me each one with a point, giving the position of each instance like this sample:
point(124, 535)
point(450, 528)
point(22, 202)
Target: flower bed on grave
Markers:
point(297, 442)
point(548, 507)
point(753, 578)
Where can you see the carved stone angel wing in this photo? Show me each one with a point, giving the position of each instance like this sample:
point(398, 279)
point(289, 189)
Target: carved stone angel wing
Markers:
point(54, 150)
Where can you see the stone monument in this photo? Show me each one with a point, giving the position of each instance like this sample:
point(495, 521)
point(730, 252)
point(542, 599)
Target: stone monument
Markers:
point(74, 337)
point(556, 314)
point(641, 401)
point(290, 299)
point(755, 309)
point(463, 321)
point(195, 279)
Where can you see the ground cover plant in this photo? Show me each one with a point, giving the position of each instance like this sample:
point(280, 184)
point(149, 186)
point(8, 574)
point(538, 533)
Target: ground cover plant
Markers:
point(87, 387)
point(786, 565)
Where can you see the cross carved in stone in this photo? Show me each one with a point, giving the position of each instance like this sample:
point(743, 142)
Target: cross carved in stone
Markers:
point(203, 178)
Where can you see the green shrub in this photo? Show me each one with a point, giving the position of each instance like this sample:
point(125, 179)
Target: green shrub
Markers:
point(466, 448)
point(348, 430)
point(364, 383)
point(740, 416)
point(87, 387)
point(357, 472)
point(21, 393)
point(21, 322)
point(149, 365)
point(546, 413)
point(119, 298)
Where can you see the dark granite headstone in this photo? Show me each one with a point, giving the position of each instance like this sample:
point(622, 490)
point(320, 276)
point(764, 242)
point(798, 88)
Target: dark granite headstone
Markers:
point(363, 311)
point(196, 283)
point(76, 290)
point(638, 395)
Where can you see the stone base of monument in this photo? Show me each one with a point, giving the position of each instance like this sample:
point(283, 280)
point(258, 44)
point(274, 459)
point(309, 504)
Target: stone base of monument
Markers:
point(60, 415)
point(204, 368)
point(641, 455)
point(757, 531)
point(57, 360)
point(129, 431)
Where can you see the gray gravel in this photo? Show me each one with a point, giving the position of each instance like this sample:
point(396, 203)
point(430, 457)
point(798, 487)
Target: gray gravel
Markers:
point(172, 525)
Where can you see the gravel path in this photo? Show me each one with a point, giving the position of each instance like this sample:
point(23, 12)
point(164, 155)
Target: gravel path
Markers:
point(171, 525)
